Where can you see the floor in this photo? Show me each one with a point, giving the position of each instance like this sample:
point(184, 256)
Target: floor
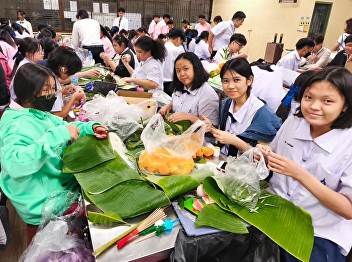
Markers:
point(18, 242)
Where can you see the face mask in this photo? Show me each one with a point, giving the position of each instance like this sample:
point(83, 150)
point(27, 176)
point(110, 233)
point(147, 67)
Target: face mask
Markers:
point(44, 104)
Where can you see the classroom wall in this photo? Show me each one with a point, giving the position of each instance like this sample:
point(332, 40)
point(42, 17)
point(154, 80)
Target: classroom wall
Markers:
point(267, 17)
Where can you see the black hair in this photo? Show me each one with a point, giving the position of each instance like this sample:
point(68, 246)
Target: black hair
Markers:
point(184, 21)
point(161, 36)
point(10, 31)
point(349, 26)
point(105, 33)
point(341, 79)
point(64, 56)
point(203, 35)
point(48, 45)
point(41, 26)
point(262, 66)
point(238, 15)
point(177, 32)
point(303, 42)
point(217, 19)
point(170, 22)
point(238, 38)
point(82, 14)
point(21, 12)
point(348, 39)
point(120, 39)
point(166, 16)
point(156, 48)
point(142, 29)
point(121, 10)
point(192, 34)
point(131, 34)
point(200, 75)
point(201, 16)
point(108, 30)
point(115, 29)
point(20, 29)
point(283, 110)
point(240, 66)
point(6, 37)
point(156, 15)
point(318, 39)
point(123, 32)
point(44, 34)
point(52, 31)
point(29, 82)
point(25, 45)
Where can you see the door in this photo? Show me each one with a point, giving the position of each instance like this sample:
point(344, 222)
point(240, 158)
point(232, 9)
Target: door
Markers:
point(320, 19)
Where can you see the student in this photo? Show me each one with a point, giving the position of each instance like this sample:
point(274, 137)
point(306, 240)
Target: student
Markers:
point(6, 69)
point(191, 36)
point(29, 51)
point(245, 120)
point(201, 48)
point(107, 42)
point(132, 36)
point(237, 42)
point(8, 46)
point(4, 91)
point(21, 15)
point(217, 19)
point(32, 142)
point(150, 74)
point(64, 62)
point(185, 25)
point(114, 31)
point(142, 32)
point(122, 47)
point(203, 25)
point(311, 161)
point(290, 103)
point(291, 61)
point(170, 25)
point(162, 37)
point(340, 45)
point(173, 50)
point(152, 26)
point(193, 97)
point(123, 33)
point(320, 55)
point(221, 33)
point(48, 45)
point(20, 32)
point(342, 56)
point(161, 27)
point(121, 21)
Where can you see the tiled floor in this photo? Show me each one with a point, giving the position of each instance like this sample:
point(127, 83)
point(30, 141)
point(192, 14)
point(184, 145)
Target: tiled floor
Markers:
point(18, 242)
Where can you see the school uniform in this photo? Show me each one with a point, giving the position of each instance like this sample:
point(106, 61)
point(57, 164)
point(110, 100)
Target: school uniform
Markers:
point(192, 46)
point(121, 23)
point(203, 100)
point(341, 41)
point(59, 102)
point(172, 52)
point(26, 24)
point(290, 61)
point(152, 28)
point(329, 159)
point(200, 28)
point(202, 50)
point(9, 51)
point(220, 54)
point(24, 35)
point(151, 69)
point(121, 69)
point(160, 28)
point(108, 47)
point(222, 34)
point(324, 56)
point(12, 91)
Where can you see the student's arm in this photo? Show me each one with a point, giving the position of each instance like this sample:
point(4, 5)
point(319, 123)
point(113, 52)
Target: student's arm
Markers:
point(210, 42)
point(165, 109)
point(75, 36)
point(336, 46)
point(149, 84)
point(226, 138)
point(335, 201)
point(129, 64)
point(89, 73)
point(180, 116)
point(67, 108)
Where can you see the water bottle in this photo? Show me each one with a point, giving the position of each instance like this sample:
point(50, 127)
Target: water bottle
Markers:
point(90, 55)
point(74, 80)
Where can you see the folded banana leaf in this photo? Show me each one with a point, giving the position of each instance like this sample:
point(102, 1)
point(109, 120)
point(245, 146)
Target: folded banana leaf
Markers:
point(286, 224)
point(104, 218)
point(86, 153)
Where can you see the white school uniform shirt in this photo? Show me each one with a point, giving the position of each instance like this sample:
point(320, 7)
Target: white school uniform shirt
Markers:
point(268, 86)
point(200, 28)
point(341, 41)
point(121, 23)
point(12, 91)
point(220, 54)
point(202, 50)
point(329, 159)
point(87, 32)
point(203, 100)
point(290, 61)
point(192, 46)
point(172, 52)
point(151, 69)
point(324, 57)
point(19, 36)
point(222, 34)
point(59, 102)
point(244, 118)
point(26, 24)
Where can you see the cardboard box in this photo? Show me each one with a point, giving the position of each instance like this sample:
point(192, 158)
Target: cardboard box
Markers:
point(134, 97)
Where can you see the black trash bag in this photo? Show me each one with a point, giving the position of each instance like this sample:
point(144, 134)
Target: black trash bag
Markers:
point(103, 87)
point(225, 247)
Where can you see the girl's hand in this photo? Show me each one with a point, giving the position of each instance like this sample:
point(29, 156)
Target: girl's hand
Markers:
point(265, 150)
point(165, 110)
point(245, 56)
point(283, 165)
point(68, 90)
point(91, 73)
point(223, 137)
point(104, 56)
point(74, 132)
point(207, 122)
point(78, 95)
point(179, 116)
point(127, 79)
point(100, 132)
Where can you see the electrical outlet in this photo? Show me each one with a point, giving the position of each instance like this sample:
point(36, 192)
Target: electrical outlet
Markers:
point(307, 23)
point(301, 23)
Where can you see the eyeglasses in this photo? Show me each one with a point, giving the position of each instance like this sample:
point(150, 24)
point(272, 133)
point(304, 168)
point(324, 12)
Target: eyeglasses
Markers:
point(239, 44)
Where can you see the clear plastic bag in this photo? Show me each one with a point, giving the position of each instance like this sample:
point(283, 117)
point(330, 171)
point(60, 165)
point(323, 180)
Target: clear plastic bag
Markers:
point(169, 155)
point(242, 176)
point(162, 98)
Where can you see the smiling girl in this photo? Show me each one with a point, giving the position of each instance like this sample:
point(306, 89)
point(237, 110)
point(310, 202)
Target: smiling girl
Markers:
point(312, 163)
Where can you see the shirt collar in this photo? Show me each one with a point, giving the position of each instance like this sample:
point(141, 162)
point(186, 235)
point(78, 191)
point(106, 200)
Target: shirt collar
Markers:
point(240, 114)
point(191, 92)
point(327, 141)
point(297, 55)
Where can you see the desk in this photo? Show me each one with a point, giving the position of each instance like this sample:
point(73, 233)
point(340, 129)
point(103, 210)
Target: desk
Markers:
point(152, 249)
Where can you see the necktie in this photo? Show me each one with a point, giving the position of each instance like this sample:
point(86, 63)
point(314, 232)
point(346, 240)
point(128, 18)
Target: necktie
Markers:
point(232, 150)
point(233, 120)
point(120, 23)
point(185, 91)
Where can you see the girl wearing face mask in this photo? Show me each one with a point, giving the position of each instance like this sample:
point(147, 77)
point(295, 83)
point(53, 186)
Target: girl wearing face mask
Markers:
point(32, 142)
point(245, 120)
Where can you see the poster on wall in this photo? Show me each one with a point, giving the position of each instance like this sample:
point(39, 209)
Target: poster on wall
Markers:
point(51, 4)
point(73, 6)
point(105, 8)
point(96, 8)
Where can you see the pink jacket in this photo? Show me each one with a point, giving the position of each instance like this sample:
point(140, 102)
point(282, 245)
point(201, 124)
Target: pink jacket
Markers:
point(7, 68)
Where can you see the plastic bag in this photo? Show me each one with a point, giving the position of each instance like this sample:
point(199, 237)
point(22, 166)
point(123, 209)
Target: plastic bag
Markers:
point(162, 98)
point(241, 178)
point(169, 155)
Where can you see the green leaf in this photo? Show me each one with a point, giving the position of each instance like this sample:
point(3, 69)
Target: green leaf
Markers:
point(178, 127)
point(105, 218)
point(286, 224)
point(214, 216)
point(86, 153)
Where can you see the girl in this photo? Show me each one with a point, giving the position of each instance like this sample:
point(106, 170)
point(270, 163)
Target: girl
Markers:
point(191, 40)
point(192, 96)
point(122, 49)
point(245, 120)
point(32, 142)
point(107, 42)
point(20, 32)
point(29, 51)
point(142, 31)
point(340, 45)
point(312, 163)
point(149, 75)
point(8, 46)
point(201, 48)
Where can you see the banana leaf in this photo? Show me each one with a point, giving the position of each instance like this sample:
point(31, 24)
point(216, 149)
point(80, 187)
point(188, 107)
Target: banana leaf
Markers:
point(129, 199)
point(213, 215)
point(286, 224)
point(105, 218)
point(86, 153)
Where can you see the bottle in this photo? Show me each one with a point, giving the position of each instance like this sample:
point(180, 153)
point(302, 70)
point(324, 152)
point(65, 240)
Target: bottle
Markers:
point(74, 80)
point(90, 55)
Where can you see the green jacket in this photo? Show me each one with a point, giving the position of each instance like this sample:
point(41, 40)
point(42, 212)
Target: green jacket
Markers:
point(31, 148)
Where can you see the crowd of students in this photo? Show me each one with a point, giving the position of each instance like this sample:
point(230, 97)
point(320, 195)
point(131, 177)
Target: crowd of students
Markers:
point(308, 129)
